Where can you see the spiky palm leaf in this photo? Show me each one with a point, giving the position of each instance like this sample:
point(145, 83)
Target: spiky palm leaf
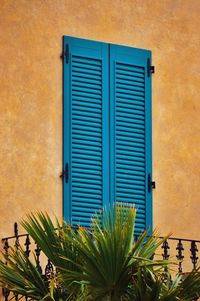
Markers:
point(21, 276)
point(148, 286)
point(109, 260)
point(52, 239)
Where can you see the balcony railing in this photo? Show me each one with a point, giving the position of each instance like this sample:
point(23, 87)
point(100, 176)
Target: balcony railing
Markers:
point(184, 251)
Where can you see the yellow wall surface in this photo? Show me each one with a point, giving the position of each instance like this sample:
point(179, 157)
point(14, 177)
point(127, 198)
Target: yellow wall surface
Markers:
point(31, 100)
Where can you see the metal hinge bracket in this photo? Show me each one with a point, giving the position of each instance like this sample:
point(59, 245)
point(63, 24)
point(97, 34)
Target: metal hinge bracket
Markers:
point(151, 184)
point(65, 54)
point(150, 69)
point(65, 173)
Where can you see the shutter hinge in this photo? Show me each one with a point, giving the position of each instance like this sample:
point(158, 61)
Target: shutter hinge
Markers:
point(151, 184)
point(65, 54)
point(65, 173)
point(150, 69)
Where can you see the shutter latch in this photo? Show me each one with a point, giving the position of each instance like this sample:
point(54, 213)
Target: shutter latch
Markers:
point(151, 184)
point(150, 69)
point(65, 173)
point(65, 54)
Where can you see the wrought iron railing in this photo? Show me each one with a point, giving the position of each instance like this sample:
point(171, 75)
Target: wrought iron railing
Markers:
point(184, 251)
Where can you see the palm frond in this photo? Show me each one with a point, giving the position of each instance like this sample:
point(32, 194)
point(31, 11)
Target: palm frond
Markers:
point(55, 242)
point(108, 255)
point(21, 276)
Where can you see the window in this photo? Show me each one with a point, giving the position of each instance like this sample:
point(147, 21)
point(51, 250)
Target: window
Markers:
point(107, 129)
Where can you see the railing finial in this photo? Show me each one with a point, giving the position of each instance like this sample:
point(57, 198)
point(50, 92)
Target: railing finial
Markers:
point(180, 256)
point(194, 252)
point(16, 229)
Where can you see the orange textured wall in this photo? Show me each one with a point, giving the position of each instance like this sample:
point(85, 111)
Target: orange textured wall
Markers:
point(31, 100)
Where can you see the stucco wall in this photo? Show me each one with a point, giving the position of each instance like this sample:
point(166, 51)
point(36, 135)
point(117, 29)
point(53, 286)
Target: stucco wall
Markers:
point(31, 100)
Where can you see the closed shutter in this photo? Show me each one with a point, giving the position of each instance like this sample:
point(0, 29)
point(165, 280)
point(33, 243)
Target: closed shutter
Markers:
point(130, 132)
point(86, 146)
point(107, 130)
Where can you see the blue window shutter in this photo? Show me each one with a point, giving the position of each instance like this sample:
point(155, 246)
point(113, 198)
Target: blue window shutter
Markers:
point(85, 131)
point(130, 131)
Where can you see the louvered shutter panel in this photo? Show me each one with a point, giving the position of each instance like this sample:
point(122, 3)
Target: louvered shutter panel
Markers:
point(86, 141)
point(130, 132)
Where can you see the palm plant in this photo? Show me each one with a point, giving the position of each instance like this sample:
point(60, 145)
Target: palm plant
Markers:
point(103, 263)
point(148, 286)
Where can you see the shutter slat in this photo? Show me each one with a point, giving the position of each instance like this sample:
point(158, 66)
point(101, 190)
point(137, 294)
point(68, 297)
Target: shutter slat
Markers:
point(129, 159)
point(87, 152)
point(81, 146)
point(129, 98)
point(86, 105)
point(127, 92)
point(82, 189)
point(84, 180)
point(136, 120)
point(90, 134)
point(130, 196)
point(131, 181)
point(137, 137)
point(133, 105)
point(85, 60)
point(134, 189)
point(135, 95)
point(85, 94)
point(84, 70)
point(131, 110)
point(87, 89)
point(86, 174)
point(85, 76)
point(85, 64)
point(90, 122)
point(88, 207)
point(83, 80)
point(93, 119)
point(138, 157)
point(128, 77)
point(132, 115)
point(85, 195)
point(129, 82)
point(77, 127)
point(86, 163)
point(86, 143)
point(83, 213)
point(86, 158)
point(132, 171)
point(136, 148)
point(138, 70)
point(86, 138)
point(87, 109)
